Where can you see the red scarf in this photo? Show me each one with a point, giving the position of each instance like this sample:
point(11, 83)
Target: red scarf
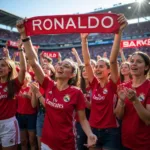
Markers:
point(85, 23)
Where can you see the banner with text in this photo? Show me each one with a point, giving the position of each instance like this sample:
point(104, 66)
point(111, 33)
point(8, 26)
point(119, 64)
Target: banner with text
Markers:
point(50, 54)
point(135, 43)
point(14, 44)
point(84, 23)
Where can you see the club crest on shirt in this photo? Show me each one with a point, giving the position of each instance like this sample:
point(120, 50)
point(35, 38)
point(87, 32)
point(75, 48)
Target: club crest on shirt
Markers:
point(50, 92)
point(66, 98)
point(141, 97)
point(105, 91)
point(5, 89)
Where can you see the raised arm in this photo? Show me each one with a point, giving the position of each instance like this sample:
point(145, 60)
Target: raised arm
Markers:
point(115, 49)
point(30, 52)
point(75, 53)
point(86, 56)
point(6, 52)
point(122, 55)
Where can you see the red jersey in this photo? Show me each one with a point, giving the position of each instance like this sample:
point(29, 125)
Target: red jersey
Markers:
point(102, 106)
point(59, 126)
point(8, 107)
point(24, 104)
point(87, 96)
point(135, 133)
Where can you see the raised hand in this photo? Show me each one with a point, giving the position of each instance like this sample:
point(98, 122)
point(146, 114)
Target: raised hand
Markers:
point(84, 35)
point(105, 55)
point(131, 94)
point(34, 87)
point(74, 52)
point(20, 26)
point(5, 51)
point(123, 21)
point(121, 92)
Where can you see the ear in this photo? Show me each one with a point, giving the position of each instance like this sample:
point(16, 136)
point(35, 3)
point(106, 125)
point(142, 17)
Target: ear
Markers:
point(146, 68)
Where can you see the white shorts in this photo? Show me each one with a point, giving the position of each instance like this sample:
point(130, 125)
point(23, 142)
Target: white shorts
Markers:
point(9, 132)
point(45, 147)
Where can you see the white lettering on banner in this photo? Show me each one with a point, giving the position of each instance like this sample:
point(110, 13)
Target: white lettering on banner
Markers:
point(70, 23)
point(48, 24)
point(111, 22)
point(51, 55)
point(136, 43)
point(79, 24)
point(54, 104)
point(36, 23)
point(99, 97)
point(56, 22)
point(89, 22)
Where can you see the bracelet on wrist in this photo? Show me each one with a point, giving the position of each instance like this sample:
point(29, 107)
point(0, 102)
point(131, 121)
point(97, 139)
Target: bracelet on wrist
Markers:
point(39, 97)
point(20, 49)
point(26, 39)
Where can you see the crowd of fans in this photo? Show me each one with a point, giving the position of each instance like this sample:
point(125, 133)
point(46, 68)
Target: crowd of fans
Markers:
point(85, 100)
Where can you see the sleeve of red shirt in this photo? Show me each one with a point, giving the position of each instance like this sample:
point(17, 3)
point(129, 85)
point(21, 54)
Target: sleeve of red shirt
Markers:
point(80, 101)
point(18, 84)
point(148, 96)
point(94, 83)
point(47, 83)
point(113, 85)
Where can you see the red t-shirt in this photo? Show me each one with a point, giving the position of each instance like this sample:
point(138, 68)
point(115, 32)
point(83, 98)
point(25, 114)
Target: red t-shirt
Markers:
point(135, 133)
point(24, 104)
point(59, 126)
point(87, 96)
point(102, 106)
point(8, 107)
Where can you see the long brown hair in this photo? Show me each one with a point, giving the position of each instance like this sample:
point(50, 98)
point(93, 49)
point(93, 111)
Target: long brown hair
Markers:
point(10, 78)
point(82, 80)
point(75, 80)
point(121, 75)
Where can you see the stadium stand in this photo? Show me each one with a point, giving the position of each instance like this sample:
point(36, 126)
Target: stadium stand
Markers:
point(64, 42)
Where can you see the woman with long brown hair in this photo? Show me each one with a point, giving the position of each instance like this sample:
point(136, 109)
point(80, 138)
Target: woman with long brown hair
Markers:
point(133, 106)
point(104, 88)
point(10, 85)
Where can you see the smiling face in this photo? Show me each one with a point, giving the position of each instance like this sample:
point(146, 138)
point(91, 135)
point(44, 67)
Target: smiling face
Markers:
point(64, 70)
point(101, 70)
point(138, 65)
point(125, 69)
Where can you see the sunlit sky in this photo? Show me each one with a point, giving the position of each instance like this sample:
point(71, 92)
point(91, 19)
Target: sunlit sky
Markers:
point(29, 8)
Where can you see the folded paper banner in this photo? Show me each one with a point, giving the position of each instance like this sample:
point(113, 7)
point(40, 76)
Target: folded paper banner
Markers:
point(50, 54)
point(135, 43)
point(14, 44)
point(84, 23)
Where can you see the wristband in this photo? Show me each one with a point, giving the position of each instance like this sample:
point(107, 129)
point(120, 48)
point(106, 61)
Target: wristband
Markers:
point(26, 39)
point(20, 49)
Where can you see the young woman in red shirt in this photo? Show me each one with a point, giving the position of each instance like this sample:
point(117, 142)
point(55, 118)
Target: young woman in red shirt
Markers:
point(104, 88)
point(10, 85)
point(133, 106)
point(62, 101)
